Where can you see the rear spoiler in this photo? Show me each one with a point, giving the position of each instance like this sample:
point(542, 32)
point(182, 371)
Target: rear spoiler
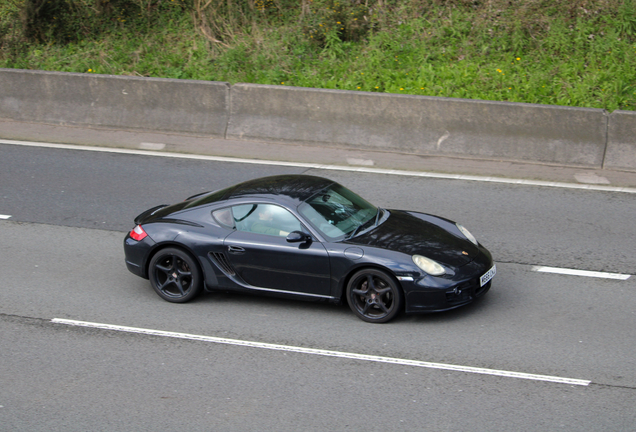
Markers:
point(149, 212)
point(197, 195)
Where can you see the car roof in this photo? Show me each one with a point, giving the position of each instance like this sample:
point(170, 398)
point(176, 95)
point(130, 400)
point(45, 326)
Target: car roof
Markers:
point(292, 187)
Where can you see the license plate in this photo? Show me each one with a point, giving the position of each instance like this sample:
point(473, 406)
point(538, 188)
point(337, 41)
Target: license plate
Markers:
point(487, 276)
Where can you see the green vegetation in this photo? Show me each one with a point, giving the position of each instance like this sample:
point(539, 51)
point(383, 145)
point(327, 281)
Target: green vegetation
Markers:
point(573, 53)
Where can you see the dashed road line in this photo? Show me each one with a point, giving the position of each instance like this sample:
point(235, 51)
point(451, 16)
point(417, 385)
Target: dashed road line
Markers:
point(584, 273)
point(368, 170)
point(4, 217)
point(326, 353)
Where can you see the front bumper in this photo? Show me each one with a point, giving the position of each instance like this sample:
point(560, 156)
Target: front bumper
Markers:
point(436, 294)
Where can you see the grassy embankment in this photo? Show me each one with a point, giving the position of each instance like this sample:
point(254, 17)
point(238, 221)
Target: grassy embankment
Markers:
point(573, 53)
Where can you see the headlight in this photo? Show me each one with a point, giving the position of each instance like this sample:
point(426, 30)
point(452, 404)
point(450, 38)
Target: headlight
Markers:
point(428, 265)
point(467, 233)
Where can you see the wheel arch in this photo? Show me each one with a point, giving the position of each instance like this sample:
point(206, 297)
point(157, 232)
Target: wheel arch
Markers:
point(170, 244)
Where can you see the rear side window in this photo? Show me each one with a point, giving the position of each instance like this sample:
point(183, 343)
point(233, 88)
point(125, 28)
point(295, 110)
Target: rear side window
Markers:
point(224, 217)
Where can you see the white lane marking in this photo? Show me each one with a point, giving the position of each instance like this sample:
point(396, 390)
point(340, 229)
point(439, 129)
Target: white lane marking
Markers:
point(4, 217)
point(353, 356)
point(502, 180)
point(573, 272)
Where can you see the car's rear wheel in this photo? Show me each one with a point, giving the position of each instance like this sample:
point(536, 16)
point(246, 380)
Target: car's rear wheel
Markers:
point(175, 275)
point(374, 296)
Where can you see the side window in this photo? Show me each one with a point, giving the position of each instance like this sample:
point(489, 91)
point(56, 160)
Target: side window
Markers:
point(266, 219)
point(224, 217)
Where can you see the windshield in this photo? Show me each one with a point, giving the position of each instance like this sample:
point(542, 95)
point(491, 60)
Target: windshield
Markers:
point(337, 212)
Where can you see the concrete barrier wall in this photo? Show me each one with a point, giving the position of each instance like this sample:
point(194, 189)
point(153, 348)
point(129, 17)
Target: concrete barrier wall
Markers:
point(409, 124)
point(114, 101)
point(417, 124)
point(621, 141)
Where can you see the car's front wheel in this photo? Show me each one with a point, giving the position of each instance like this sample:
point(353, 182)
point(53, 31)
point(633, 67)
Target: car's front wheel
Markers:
point(374, 296)
point(175, 275)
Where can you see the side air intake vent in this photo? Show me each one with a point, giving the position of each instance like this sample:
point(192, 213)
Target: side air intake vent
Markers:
point(221, 261)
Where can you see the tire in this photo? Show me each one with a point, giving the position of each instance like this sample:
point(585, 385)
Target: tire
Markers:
point(175, 275)
point(374, 296)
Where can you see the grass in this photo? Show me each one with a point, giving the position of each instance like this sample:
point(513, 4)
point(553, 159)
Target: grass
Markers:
point(580, 53)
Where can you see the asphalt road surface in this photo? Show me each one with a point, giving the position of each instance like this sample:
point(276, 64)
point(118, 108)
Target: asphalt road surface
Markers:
point(62, 258)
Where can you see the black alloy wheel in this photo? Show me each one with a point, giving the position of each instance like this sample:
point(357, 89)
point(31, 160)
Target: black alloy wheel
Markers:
point(175, 275)
point(374, 296)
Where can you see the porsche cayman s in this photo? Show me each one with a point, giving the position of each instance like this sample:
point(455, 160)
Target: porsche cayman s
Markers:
point(307, 237)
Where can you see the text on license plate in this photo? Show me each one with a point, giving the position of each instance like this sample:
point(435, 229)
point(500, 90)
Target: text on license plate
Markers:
point(487, 276)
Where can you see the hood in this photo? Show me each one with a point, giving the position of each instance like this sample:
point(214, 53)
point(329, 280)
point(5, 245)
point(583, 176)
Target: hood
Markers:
point(417, 233)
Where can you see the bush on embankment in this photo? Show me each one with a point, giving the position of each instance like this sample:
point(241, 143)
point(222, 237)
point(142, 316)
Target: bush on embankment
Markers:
point(573, 53)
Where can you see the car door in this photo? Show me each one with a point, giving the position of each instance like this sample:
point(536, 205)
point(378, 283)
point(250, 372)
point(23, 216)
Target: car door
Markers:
point(261, 256)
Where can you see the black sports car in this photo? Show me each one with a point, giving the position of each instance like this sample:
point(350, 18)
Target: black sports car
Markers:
point(308, 237)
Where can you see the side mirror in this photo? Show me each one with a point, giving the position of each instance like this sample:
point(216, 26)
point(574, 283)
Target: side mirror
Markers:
point(298, 237)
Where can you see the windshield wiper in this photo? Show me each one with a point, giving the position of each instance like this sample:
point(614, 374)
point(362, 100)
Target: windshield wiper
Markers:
point(356, 229)
point(377, 217)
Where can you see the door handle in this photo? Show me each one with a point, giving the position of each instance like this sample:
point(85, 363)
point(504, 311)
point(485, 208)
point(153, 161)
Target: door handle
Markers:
point(235, 250)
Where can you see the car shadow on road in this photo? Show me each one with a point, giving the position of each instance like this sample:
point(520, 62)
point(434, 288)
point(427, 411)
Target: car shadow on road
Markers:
point(277, 305)
point(250, 300)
